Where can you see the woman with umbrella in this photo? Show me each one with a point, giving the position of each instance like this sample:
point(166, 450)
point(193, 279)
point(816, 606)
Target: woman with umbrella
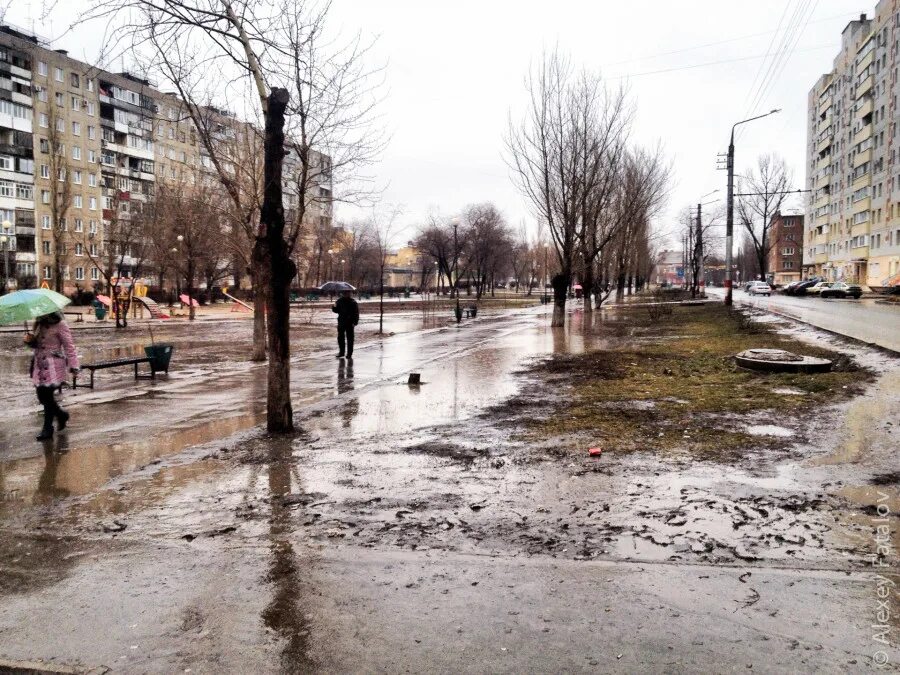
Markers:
point(54, 357)
point(54, 350)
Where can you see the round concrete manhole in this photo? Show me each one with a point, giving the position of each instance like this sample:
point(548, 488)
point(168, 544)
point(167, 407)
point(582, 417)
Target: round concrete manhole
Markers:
point(781, 361)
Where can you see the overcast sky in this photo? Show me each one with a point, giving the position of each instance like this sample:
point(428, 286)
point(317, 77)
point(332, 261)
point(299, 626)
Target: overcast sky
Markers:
point(454, 72)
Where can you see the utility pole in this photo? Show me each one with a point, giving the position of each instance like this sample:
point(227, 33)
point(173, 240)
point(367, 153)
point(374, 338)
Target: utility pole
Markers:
point(699, 251)
point(729, 204)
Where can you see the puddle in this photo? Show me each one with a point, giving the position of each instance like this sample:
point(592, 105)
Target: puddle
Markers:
point(788, 391)
point(769, 430)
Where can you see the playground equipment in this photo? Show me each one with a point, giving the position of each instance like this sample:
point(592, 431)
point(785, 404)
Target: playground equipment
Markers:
point(240, 305)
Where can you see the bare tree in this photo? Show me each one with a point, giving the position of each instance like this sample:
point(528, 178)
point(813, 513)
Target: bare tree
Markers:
point(302, 82)
point(383, 232)
point(489, 244)
point(764, 193)
point(60, 185)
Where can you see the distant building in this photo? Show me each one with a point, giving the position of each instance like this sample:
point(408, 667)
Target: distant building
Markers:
point(669, 269)
point(786, 252)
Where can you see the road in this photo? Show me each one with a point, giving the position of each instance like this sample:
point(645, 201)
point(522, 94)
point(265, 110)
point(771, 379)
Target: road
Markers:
point(870, 320)
point(399, 531)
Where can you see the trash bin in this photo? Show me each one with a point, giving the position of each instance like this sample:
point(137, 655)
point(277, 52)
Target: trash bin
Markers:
point(99, 310)
point(159, 356)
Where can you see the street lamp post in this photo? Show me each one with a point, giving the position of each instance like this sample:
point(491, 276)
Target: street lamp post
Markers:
point(4, 247)
point(701, 282)
point(729, 208)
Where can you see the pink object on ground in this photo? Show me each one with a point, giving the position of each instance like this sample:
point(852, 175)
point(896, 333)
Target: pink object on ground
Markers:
point(186, 300)
point(595, 452)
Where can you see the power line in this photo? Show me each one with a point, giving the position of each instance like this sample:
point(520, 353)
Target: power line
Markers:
point(720, 42)
point(710, 63)
point(769, 48)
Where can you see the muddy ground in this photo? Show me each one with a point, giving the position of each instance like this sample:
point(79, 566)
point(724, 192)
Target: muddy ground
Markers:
point(462, 524)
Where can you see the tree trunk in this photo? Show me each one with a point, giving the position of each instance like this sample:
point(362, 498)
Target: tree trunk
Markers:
point(190, 290)
point(620, 287)
point(560, 284)
point(259, 315)
point(587, 286)
point(278, 268)
point(381, 303)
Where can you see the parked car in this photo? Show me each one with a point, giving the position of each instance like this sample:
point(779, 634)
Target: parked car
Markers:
point(842, 290)
point(819, 287)
point(791, 287)
point(803, 287)
point(759, 288)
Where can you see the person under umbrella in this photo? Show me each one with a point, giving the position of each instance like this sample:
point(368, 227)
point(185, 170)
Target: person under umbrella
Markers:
point(54, 357)
point(347, 310)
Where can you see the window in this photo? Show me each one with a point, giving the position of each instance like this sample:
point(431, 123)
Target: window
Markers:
point(58, 75)
point(45, 145)
point(76, 152)
point(92, 203)
point(45, 196)
point(76, 103)
point(65, 272)
point(90, 108)
point(787, 251)
point(61, 174)
point(92, 226)
point(59, 99)
point(92, 157)
point(43, 120)
point(45, 222)
point(6, 163)
point(92, 179)
point(79, 227)
point(41, 94)
point(79, 271)
point(93, 249)
point(42, 68)
point(47, 276)
point(76, 128)
point(45, 247)
point(24, 191)
point(14, 109)
point(60, 124)
point(92, 132)
point(788, 264)
point(76, 177)
point(79, 249)
point(95, 274)
point(77, 201)
point(73, 80)
point(7, 188)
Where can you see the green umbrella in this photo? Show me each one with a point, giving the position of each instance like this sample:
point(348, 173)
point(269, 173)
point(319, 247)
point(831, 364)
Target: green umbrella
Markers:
point(29, 304)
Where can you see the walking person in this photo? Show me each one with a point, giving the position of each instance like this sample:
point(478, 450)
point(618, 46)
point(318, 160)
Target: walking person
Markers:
point(347, 310)
point(54, 357)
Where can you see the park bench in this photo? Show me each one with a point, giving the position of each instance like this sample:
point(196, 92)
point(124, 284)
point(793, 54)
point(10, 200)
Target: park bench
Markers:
point(136, 361)
point(79, 317)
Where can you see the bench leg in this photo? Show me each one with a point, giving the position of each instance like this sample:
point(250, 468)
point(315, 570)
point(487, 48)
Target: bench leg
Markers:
point(92, 378)
point(135, 371)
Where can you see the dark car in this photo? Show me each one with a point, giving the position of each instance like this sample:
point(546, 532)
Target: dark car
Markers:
point(803, 286)
point(789, 289)
point(841, 290)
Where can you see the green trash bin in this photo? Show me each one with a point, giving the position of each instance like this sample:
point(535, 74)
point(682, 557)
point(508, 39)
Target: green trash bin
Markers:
point(159, 356)
point(99, 310)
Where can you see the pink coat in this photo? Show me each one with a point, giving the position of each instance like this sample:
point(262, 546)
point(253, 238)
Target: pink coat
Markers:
point(54, 354)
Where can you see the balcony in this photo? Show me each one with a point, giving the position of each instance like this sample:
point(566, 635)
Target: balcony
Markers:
point(865, 87)
point(862, 157)
point(823, 145)
point(865, 109)
point(866, 61)
point(863, 134)
point(859, 253)
point(861, 205)
point(824, 200)
point(820, 258)
point(861, 228)
point(824, 105)
point(823, 162)
point(861, 182)
point(823, 219)
point(822, 182)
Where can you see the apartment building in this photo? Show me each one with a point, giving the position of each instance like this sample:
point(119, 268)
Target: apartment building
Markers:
point(786, 252)
point(17, 234)
point(853, 228)
point(82, 151)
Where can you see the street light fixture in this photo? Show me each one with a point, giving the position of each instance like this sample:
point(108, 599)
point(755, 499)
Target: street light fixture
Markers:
point(729, 209)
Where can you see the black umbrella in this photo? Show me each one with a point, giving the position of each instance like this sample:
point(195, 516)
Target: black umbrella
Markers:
point(336, 287)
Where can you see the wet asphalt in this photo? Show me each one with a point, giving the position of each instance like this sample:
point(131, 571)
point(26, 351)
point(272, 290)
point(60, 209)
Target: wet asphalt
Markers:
point(403, 530)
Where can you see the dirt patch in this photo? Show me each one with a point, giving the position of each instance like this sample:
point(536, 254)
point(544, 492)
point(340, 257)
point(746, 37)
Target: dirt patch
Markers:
point(680, 394)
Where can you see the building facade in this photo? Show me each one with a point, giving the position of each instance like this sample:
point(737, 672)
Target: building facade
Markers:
point(786, 252)
point(82, 153)
point(852, 231)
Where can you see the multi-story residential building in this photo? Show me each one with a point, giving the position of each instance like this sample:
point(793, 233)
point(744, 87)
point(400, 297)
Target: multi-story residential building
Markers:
point(17, 241)
point(852, 231)
point(82, 151)
point(786, 251)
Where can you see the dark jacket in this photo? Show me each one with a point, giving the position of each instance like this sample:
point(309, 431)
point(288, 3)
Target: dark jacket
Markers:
point(347, 310)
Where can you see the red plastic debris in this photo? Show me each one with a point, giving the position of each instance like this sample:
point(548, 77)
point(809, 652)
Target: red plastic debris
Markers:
point(595, 452)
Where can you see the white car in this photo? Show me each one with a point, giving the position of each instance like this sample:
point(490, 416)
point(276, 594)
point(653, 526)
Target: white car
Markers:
point(759, 288)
